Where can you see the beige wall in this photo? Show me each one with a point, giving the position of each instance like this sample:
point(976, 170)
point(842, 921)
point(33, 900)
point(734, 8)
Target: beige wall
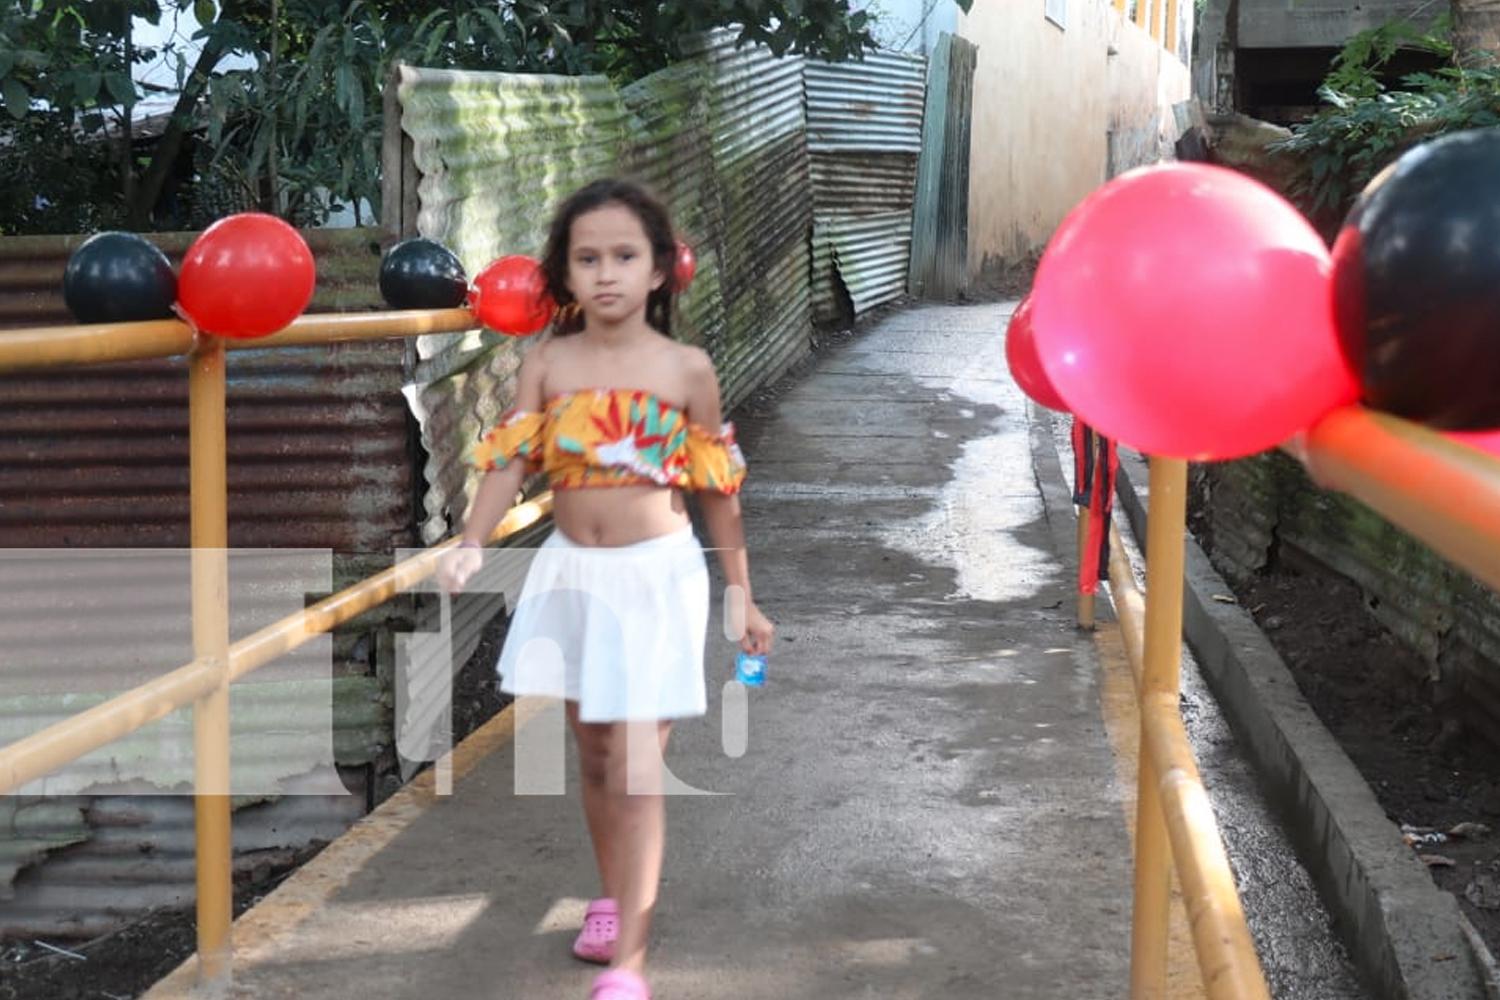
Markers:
point(1057, 111)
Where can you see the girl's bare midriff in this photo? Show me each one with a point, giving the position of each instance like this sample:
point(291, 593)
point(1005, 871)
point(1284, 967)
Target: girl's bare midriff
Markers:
point(608, 516)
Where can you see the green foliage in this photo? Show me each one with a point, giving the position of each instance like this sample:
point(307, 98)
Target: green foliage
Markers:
point(299, 132)
point(1364, 126)
point(53, 187)
point(72, 55)
point(65, 71)
point(1355, 68)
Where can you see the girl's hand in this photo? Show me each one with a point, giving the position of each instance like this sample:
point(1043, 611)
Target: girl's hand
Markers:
point(456, 566)
point(758, 631)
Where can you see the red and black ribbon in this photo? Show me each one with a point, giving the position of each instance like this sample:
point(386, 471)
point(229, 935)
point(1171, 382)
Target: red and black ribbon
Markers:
point(1095, 465)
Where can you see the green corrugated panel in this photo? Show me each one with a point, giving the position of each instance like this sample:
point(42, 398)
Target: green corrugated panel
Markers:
point(720, 136)
point(924, 235)
point(951, 276)
point(496, 152)
point(671, 149)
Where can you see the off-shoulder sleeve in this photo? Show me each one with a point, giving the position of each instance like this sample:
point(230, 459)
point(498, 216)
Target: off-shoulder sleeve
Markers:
point(517, 435)
point(715, 463)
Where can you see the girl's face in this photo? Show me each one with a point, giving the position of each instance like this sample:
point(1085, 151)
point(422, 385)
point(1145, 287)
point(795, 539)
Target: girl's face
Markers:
point(611, 270)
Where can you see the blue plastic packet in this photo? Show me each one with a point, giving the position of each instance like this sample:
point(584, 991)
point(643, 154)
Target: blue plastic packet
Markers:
point(750, 669)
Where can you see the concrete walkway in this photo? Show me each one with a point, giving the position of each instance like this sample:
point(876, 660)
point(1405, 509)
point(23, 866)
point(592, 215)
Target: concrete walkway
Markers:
point(933, 798)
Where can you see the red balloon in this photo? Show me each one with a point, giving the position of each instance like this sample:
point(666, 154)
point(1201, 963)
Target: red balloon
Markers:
point(1025, 366)
point(510, 296)
point(1486, 441)
point(247, 275)
point(1186, 310)
point(683, 267)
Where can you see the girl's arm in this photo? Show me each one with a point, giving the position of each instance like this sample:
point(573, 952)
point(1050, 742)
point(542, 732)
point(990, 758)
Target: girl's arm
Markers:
point(497, 491)
point(721, 514)
point(722, 517)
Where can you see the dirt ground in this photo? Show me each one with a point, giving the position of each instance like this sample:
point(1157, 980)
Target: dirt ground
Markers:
point(1439, 784)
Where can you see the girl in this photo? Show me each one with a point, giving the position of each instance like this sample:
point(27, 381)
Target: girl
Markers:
point(614, 612)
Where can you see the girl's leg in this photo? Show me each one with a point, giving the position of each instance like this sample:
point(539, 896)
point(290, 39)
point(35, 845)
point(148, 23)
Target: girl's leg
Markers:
point(626, 814)
point(592, 739)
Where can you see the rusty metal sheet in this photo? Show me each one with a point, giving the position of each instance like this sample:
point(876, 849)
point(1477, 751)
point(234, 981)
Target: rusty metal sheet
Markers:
point(320, 441)
point(872, 105)
point(79, 626)
point(134, 854)
point(864, 126)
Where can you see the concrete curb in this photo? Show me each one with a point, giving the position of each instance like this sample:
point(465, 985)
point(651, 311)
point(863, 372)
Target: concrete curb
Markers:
point(1405, 935)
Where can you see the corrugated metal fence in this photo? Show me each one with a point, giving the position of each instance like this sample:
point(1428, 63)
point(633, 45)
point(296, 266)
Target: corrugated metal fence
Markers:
point(97, 458)
point(864, 135)
point(1266, 507)
point(940, 237)
point(794, 182)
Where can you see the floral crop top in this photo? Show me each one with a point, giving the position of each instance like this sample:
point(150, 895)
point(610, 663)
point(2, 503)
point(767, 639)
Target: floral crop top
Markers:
point(614, 437)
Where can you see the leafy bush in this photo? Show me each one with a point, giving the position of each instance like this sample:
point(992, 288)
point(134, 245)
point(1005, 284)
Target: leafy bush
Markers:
point(298, 132)
point(1365, 126)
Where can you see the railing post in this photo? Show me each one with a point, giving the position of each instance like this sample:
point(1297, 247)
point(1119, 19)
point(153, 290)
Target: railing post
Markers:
point(1166, 521)
point(209, 481)
point(1086, 602)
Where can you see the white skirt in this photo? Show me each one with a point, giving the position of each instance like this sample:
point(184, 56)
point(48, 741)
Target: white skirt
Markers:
point(620, 630)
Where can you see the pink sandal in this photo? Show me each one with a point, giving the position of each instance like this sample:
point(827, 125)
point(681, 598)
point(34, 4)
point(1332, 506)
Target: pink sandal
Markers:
point(619, 984)
point(601, 925)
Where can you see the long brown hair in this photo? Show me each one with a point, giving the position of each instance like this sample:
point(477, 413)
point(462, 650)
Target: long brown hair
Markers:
point(655, 220)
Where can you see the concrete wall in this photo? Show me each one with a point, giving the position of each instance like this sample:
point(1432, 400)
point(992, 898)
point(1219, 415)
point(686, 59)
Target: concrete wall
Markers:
point(1229, 26)
point(1276, 24)
point(1057, 111)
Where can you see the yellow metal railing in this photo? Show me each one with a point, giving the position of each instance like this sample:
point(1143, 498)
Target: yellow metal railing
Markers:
point(204, 683)
point(1445, 494)
point(1175, 824)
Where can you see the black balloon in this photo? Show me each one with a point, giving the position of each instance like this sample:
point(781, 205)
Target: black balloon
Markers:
point(1416, 284)
point(118, 278)
point(422, 274)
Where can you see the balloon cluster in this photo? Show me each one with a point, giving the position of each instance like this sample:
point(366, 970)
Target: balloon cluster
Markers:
point(1189, 311)
point(250, 275)
point(509, 295)
point(246, 275)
